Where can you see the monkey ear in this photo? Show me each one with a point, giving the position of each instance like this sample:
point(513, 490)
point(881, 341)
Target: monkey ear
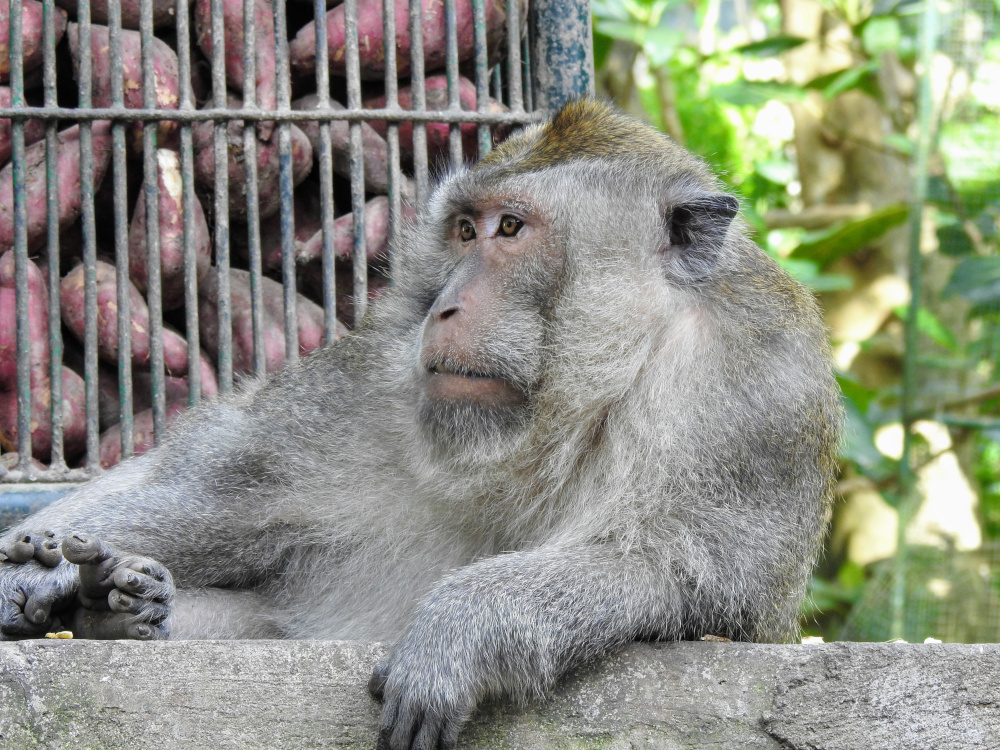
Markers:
point(696, 230)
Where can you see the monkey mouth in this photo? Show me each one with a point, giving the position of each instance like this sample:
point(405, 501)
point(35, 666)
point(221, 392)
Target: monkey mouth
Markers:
point(447, 381)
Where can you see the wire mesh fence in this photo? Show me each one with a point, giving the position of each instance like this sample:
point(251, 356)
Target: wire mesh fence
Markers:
point(196, 193)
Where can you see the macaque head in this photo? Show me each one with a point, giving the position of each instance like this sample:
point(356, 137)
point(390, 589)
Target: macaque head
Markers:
point(592, 200)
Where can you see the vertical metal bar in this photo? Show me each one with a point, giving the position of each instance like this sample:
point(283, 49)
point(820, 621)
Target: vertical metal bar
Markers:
point(482, 75)
point(529, 97)
point(497, 83)
point(221, 202)
point(21, 312)
point(286, 182)
point(93, 460)
point(514, 88)
point(451, 72)
point(119, 177)
point(325, 158)
point(187, 201)
point(419, 96)
point(392, 128)
point(563, 54)
point(151, 191)
point(909, 498)
point(58, 459)
point(357, 162)
point(250, 166)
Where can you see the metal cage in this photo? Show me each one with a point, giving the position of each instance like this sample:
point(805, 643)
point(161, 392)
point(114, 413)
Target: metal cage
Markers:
point(109, 122)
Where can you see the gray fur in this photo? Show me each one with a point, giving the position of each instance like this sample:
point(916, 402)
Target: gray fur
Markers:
point(669, 478)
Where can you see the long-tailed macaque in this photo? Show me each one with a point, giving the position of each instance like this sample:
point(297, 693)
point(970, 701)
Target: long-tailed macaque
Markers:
point(590, 410)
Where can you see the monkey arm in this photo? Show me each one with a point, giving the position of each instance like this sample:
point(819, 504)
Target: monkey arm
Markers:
point(512, 625)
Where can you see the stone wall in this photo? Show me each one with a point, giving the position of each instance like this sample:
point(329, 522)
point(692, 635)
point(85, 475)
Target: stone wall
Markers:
point(270, 694)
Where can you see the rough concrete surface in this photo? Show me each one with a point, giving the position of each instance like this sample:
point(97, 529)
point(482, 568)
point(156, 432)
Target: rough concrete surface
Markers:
point(309, 694)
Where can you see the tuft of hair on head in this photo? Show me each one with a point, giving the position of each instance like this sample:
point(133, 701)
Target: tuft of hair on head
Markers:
point(586, 129)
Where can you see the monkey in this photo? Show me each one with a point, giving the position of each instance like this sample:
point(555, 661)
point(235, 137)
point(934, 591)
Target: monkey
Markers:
point(590, 410)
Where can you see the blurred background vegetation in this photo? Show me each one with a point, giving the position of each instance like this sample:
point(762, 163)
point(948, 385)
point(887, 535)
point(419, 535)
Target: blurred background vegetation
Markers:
point(864, 140)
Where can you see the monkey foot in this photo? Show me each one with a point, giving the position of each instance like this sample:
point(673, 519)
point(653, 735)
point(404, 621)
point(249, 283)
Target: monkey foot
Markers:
point(120, 595)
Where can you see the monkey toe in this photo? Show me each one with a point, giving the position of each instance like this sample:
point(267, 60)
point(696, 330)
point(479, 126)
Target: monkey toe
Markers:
point(89, 623)
point(41, 546)
point(376, 684)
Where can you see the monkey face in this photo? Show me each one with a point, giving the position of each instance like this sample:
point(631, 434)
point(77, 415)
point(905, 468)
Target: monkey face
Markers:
point(482, 338)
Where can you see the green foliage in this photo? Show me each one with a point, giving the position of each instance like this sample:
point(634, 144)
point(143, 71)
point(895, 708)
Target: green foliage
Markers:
point(719, 84)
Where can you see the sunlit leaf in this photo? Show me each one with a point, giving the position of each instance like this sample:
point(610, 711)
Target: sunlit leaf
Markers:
point(978, 281)
point(807, 272)
point(932, 327)
point(625, 31)
point(770, 47)
point(744, 93)
point(881, 34)
point(851, 78)
point(954, 241)
point(851, 236)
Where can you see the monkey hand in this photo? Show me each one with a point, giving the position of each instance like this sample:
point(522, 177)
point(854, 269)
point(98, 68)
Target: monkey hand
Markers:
point(84, 585)
point(37, 585)
point(427, 697)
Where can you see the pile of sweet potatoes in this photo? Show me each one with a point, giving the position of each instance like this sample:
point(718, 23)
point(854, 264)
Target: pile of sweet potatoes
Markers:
point(188, 253)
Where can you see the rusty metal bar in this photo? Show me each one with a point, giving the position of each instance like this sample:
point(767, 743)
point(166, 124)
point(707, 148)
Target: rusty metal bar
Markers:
point(360, 262)
point(286, 183)
point(221, 203)
point(221, 115)
point(325, 158)
point(484, 137)
point(122, 260)
point(419, 103)
point(250, 167)
point(186, 103)
point(23, 335)
point(515, 90)
point(89, 233)
point(57, 460)
point(392, 128)
point(151, 191)
point(451, 72)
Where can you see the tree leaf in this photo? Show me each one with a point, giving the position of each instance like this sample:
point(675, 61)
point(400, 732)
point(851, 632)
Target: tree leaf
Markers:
point(770, 47)
point(744, 93)
point(848, 237)
point(978, 281)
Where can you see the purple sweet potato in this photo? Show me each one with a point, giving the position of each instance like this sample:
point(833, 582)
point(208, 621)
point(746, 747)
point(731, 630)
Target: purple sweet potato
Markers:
point(376, 235)
point(375, 152)
point(72, 298)
point(164, 11)
point(302, 49)
point(437, 132)
point(307, 220)
point(31, 35)
point(267, 165)
point(164, 69)
point(171, 234)
point(38, 324)
point(69, 183)
point(264, 62)
point(309, 315)
point(142, 434)
point(74, 417)
point(34, 130)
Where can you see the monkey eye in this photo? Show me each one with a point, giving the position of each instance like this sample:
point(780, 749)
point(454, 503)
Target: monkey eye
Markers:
point(510, 225)
point(466, 230)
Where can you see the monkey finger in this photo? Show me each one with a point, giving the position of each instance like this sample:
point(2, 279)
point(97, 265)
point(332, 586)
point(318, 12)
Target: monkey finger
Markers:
point(145, 610)
point(84, 549)
point(144, 577)
point(376, 684)
point(429, 736)
point(19, 551)
point(113, 626)
point(48, 553)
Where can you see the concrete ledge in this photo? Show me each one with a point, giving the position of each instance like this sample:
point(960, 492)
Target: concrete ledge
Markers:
point(269, 694)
